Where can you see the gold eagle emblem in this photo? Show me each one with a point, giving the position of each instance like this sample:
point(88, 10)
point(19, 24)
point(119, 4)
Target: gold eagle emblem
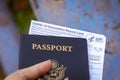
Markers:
point(56, 73)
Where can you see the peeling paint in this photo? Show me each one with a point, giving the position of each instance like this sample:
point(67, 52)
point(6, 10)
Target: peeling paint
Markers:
point(106, 26)
point(117, 27)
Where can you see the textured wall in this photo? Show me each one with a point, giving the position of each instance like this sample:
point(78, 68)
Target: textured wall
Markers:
point(99, 16)
point(8, 40)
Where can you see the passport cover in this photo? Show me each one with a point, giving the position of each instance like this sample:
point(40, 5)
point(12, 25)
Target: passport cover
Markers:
point(69, 56)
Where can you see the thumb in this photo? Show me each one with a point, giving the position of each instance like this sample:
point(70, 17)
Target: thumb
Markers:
point(32, 72)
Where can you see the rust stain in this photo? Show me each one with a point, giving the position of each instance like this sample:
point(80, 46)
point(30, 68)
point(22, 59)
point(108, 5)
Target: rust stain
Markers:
point(103, 5)
point(87, 14)
point(117, 27)
point(110, 52)
point(79, 7)
point(112, 39)
point(115, 49)
point(75, 19)
point(112, 48)
point(106, 26)
point(51, 4)
point(54, 6)
point(101, 9)
point(4, 22)
point(59, 1)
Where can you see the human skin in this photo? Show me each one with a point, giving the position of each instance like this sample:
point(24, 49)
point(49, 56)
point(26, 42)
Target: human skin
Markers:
point(32, 72)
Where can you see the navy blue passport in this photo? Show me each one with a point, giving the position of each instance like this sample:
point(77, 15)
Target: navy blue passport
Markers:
point(68, 55)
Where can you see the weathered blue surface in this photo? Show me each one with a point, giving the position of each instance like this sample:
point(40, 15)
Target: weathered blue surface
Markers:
point(8, 40)
point(98, 16)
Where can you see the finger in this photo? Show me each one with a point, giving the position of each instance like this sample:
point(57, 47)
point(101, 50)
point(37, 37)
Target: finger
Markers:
point(37, 70)
point(32, 72)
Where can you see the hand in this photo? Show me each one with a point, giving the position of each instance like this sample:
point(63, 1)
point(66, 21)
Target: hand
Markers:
point(32, 72)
